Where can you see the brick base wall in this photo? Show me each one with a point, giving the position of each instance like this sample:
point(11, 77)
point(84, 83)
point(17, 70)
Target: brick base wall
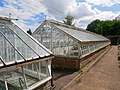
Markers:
point(66, 62)
point(45, 86)
point(91, 57)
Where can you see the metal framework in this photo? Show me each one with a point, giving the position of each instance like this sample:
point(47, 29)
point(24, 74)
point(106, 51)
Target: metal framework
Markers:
point(24, 62)
point(68, 41)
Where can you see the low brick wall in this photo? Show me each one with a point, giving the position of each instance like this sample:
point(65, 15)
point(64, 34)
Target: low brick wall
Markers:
point(45, 86)
point(85, 60)
point(67, 62)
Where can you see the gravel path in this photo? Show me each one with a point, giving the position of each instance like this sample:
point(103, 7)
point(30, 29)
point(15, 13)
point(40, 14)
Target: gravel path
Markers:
point(105, 75)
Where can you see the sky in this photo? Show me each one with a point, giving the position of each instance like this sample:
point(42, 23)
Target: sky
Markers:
point(30, 13)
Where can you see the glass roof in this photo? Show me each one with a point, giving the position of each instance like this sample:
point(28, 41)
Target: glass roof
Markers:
point(77, 33)
point(17, 46)
point(82, 35)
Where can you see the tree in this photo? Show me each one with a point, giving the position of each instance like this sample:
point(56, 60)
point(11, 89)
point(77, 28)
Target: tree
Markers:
point(117, 18)
point(107, 27)
point(95, 26)
point(29, 31)
point(69, 20)
point(115, 27)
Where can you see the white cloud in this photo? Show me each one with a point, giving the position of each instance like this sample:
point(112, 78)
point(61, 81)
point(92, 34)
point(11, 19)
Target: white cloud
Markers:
point(117, 1)
point(22, 10)
point(27, 9)
point(83, 12)
point(60, 8)
point(26, 6)
point(102, 15)
point(103, 2)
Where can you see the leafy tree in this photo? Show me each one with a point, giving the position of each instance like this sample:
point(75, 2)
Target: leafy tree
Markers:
point(115, 27)
point(29, 31)
point(105, 28)
point(94, 26)
point(69, 20)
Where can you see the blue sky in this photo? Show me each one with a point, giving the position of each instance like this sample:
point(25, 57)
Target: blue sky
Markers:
point(30, 13)
point(1, 3)
point(114, 8)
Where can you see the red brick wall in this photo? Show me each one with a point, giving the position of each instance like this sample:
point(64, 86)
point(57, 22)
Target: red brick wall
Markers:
point(66, 62)
point(45, 86)
point(91, 57)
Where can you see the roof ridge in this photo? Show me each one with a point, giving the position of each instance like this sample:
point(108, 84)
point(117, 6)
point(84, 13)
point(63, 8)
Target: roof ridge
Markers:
point(8, 19)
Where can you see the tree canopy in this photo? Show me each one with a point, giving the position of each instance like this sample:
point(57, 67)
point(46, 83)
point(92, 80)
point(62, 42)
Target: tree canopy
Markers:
point(107, 27)
point(69, 20)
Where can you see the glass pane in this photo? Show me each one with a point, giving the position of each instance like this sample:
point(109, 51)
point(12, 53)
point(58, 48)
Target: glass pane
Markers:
point(82, 35)
point(38, 70)
point(62, 43)
point(18, 43)
point(17, 79)
point(7, 52)
point(29, 40)
point(73, 47)
point(44, 68)
point(2, 85)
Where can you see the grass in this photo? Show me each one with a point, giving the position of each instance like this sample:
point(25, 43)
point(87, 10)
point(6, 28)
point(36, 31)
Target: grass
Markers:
point(80, 70)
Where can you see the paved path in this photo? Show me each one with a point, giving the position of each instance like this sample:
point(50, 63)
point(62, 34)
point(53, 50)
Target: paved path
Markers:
point(63, 78)
point(105, 75)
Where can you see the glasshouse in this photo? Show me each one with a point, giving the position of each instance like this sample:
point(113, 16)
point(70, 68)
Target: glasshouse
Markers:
point(68, 42)
point(24, 62)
